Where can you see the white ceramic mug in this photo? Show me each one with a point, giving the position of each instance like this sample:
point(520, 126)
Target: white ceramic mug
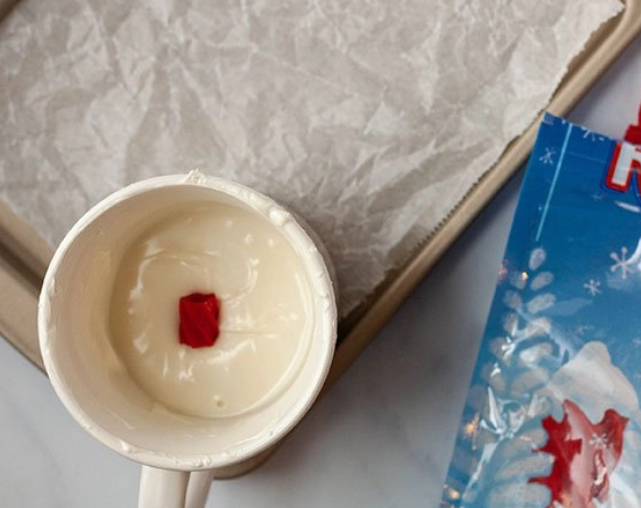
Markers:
point(88, 375)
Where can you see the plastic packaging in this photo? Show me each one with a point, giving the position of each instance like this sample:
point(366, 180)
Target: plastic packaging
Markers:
point(552, 417)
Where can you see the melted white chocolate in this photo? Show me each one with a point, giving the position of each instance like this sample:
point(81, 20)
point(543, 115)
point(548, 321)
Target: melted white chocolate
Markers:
point(266, 313)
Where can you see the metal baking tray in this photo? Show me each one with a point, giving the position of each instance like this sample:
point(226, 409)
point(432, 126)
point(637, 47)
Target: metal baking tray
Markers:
point(24, 256)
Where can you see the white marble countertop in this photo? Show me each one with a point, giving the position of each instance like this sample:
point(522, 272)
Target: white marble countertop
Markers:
point(381, 438)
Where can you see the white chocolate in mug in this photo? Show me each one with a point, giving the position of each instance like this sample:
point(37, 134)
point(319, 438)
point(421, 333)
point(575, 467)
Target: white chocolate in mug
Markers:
point(266, 317)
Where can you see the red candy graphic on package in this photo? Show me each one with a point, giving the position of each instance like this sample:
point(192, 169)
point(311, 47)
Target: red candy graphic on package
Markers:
point(585, 454)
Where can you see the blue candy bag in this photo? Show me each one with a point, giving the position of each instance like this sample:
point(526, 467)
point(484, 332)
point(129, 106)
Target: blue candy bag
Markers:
point(552, 416)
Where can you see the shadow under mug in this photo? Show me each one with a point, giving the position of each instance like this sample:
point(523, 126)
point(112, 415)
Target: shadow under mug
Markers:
point(91, 381)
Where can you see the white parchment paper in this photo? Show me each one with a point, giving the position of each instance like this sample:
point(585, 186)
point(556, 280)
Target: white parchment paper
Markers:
point(371, 119)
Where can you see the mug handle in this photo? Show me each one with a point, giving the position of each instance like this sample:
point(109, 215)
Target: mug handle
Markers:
point(161, 488)
point(198, 489)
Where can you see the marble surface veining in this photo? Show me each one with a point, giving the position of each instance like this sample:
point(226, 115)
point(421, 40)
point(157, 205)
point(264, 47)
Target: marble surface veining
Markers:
point(380, 438)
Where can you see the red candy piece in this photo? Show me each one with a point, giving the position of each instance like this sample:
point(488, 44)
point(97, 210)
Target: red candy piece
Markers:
point(199, 320)
point(585, 455)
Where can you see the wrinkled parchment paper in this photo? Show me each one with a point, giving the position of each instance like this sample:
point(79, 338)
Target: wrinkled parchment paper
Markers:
point(371, 119)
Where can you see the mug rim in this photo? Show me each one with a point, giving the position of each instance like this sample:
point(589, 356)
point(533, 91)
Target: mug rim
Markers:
point(186, 461)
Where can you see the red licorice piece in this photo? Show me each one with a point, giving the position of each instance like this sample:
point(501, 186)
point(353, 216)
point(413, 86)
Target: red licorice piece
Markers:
point(199, 320)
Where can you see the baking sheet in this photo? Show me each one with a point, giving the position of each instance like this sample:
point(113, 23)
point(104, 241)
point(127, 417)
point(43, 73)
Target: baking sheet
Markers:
point(370, 120)
point(20, 276)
